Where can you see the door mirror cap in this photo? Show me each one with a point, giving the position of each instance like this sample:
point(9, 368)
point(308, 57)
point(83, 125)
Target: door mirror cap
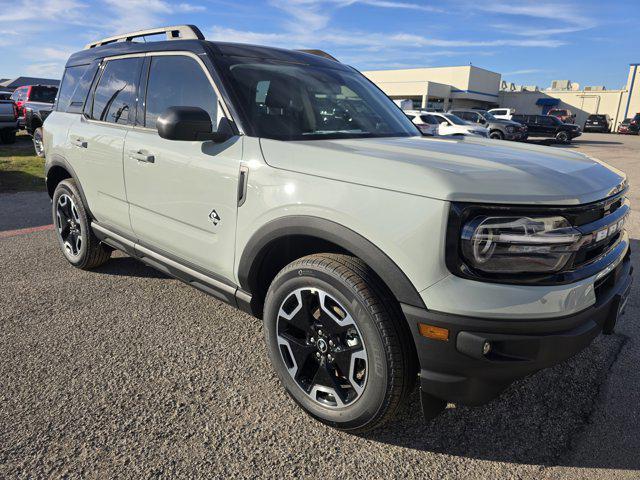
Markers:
point(189, 124)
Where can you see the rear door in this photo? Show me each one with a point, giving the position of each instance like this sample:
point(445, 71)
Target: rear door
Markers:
point(97, 140)
point(183, 194)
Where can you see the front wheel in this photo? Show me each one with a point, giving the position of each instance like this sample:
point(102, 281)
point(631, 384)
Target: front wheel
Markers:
point(563, 137)
point(79, 244)
point(339, 342)
point(496, 135)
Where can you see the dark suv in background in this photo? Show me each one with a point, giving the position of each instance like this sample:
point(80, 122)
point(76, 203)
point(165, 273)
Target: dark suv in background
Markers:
point(499, 129)
point(545, 126)
point(598, 123)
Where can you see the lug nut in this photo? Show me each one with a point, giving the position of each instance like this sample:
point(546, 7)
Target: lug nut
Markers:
point(330, 357)
point(319, 332)
point(486, 347)
point(331, 344)
point(318, 354)
point(312, 340)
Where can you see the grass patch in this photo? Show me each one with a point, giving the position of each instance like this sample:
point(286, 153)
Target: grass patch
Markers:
point(20, 168)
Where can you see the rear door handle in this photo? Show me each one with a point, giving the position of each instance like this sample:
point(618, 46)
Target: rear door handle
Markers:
point(79, 142)
point(142, 156)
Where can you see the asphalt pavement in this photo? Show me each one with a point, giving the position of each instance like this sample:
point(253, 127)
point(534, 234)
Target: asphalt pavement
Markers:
point(124, 373)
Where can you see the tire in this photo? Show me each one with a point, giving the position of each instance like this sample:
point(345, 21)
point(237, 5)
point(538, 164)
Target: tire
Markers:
point(7, 136)
point(37, 142)
point(563, 137)
point(375, 358)
point(72, 226)
point(496, 135)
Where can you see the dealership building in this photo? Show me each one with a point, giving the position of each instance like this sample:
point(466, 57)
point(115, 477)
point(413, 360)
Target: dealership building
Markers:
point(468, 86)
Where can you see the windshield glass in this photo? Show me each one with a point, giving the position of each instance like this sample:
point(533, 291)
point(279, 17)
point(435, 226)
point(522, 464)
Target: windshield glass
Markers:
point(455, 119)
point(487, 116)
point(285, 101)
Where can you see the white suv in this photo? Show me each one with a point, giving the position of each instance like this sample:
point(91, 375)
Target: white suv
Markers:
point(288, 185)
point(502, 113)
point(451, 124)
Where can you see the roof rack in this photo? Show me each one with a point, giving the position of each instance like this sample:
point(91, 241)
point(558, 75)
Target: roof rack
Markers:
point(177, 32)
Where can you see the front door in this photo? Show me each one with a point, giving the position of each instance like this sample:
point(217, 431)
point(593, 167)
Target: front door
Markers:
point(183, 194)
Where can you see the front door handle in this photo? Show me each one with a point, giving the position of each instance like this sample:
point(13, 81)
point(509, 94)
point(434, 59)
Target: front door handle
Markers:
point(142, 156)
point(79, 142)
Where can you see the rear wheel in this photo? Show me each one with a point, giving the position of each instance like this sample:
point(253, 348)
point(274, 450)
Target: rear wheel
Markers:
point(336, 339)
point(79, 244)
point(37, 142)
point(496, 135)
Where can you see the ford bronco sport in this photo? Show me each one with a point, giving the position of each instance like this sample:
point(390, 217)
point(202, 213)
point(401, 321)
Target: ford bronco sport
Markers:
point(288, 185)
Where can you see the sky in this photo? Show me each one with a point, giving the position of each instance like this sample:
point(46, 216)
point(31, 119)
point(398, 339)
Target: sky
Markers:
point(528, 42)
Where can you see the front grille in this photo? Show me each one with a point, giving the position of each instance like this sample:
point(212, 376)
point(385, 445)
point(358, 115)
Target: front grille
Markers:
point(602, 227)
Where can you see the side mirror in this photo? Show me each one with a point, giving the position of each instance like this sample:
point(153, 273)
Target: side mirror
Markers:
point(190, 124)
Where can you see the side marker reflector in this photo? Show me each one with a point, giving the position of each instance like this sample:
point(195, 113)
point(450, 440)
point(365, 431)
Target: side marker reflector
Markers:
point(433, 332)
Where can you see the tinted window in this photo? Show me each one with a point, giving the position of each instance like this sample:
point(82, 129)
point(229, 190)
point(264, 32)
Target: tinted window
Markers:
point(429, 119)
point(79, 96)
point(307, 102)
point(520, 118)
point(499, 112)
point(548, 121)
point(178, 81)
point(115, 94)
point(43, 94)
point(70, 81)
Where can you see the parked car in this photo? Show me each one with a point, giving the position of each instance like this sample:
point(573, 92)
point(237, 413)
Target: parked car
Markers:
point(35, 113)
point(4, 95)
point(452, 125)
point(545, 126)
point(598, 123)
point(502, 113)
point(562, 114)
point(375, 257)
point(44, 94)
point(8, 121)
point(426, 122)
point(499, 129)
point(630, 126)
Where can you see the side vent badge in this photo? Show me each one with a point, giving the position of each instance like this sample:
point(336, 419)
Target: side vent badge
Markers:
point(214, 217)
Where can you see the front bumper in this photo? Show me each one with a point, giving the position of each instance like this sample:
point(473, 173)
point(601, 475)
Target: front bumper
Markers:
point(457, 370)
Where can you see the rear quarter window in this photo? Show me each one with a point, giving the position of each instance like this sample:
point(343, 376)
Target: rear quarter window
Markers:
point(70, 80)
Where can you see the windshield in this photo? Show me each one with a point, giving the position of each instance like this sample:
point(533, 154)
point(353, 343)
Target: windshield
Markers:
point(487, 116)
point(455, 119)
point(302, 102)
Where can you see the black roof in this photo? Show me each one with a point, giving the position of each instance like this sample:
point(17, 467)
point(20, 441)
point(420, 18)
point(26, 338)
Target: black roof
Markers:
point(202, 47)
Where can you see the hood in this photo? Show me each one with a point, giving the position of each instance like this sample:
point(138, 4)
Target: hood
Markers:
point(468, 169)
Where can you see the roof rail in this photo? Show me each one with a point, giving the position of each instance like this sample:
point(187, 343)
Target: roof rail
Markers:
point(177, 32)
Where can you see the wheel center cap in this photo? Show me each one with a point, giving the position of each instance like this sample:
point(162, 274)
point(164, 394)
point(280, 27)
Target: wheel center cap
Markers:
point(322, 346)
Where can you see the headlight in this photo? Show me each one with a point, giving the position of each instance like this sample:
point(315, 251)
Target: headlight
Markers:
point(509, 129)
point(518, 244)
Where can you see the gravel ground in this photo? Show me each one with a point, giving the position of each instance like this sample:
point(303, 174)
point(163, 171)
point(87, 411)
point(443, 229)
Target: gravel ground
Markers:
point(122, 372)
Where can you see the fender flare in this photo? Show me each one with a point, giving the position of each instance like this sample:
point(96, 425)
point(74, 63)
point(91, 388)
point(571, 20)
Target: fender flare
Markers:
point(327, 230)
point(60, 161)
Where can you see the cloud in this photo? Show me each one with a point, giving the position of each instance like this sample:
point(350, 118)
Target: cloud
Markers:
point(46, 10)
point(526, 71)
point(45, 70)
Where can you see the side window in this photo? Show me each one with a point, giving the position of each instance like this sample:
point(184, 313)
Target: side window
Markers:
point(115, 94)
point(178, 81)
point(69, 83)
point(79, 97)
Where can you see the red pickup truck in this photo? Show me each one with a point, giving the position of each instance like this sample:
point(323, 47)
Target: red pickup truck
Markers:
point(32, 93)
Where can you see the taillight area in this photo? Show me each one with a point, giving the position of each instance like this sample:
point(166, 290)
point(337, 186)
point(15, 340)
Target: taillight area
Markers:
point(15, 111)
